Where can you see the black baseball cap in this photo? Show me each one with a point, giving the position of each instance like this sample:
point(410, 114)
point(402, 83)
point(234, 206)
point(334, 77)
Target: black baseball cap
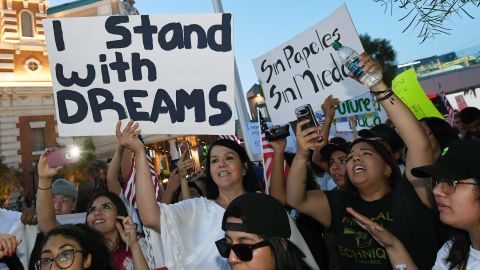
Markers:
point(328, 149)
point(460, 160)
point(386, 133)
point(260, 214)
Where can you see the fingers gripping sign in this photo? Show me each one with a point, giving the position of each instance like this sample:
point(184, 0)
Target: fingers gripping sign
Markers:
point(127, 230)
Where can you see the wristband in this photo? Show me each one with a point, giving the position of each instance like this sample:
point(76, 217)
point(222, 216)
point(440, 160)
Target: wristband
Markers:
point(39, 188)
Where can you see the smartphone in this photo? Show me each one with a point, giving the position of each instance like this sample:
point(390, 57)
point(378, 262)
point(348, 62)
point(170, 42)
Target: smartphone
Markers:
point(61, 157)
point(305, 112)
point(185, 154)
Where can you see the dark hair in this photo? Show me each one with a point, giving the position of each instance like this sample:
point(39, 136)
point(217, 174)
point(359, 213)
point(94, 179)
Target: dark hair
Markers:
point(91, 242)
point(121, 208)
point(469, 115)
point(287, 255)
point(441, 130)
point(250, 179)
point(381, 148)
point(460, 248)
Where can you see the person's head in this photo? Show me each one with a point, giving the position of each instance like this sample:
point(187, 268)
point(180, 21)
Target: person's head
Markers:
point(389, 135)
point(370, 164)
point(455, 181)
point(102, 211)
point(439, 132)
point(336, 156)
point(470, 118)
point(228, 167)
point(64, 195)
point(256, 235)
point(74, 247)
point(193, 189)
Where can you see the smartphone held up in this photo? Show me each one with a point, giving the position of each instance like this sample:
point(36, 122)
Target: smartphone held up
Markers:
point(185, 154)
point(305, 112)
point(63, 156)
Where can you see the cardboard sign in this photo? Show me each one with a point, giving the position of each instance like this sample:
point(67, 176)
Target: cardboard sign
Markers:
point(408, 89)
point(306, 69)
point(172, 74)
point(253, 132)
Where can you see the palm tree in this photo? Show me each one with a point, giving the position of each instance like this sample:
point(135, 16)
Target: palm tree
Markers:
point(382, 51)
point(429, 16)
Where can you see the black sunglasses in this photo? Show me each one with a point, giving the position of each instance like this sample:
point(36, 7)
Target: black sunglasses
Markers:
point(243, 251)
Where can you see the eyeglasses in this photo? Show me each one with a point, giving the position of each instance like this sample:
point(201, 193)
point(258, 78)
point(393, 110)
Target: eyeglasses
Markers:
point(63, 260)
point(448, 186)
point(243, 251)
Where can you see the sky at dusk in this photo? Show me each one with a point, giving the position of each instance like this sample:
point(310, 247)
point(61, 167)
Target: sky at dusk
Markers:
point(261, 25)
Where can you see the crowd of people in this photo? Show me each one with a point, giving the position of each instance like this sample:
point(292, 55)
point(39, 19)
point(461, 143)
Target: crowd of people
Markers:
point(402, 195)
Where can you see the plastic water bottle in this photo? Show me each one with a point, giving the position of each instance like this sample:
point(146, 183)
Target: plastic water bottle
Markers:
point(349, 58)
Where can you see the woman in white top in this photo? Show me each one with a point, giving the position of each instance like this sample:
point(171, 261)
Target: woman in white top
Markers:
point(183, 235)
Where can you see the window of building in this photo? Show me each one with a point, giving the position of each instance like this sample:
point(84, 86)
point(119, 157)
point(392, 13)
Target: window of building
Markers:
point(26, 20)
point(38, 140)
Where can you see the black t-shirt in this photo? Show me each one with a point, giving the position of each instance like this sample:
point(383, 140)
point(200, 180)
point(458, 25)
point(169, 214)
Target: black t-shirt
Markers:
point(401, 212)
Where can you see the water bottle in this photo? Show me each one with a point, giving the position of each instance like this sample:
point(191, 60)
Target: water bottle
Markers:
point(349, 58)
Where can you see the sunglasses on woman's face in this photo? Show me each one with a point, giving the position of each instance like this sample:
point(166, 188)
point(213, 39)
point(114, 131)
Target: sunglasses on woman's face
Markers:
point(243, 251)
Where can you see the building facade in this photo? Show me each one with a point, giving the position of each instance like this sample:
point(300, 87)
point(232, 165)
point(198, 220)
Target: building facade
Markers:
point(27, 112)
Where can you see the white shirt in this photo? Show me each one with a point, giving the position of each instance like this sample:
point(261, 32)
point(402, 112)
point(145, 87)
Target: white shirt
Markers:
point(473, 262)
point(189, 230)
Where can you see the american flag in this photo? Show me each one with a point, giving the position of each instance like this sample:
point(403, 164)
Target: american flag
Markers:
point(230, 137)
point(450, 110)
point(129, 186)
point(267, 154)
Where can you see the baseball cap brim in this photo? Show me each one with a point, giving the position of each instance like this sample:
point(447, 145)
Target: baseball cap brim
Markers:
point(328, 149)
point(437, 170)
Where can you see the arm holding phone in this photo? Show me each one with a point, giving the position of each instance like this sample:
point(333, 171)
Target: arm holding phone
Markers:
point(44, 207)
point(172, 186)
point(328, 108)
point(277, 180)
point(185, 166)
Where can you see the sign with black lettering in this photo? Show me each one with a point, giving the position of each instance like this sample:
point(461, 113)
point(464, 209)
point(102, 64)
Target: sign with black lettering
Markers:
point(306, 68)
point(172, 74)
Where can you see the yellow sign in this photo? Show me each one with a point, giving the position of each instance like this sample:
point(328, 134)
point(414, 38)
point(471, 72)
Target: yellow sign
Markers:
point(409, 90)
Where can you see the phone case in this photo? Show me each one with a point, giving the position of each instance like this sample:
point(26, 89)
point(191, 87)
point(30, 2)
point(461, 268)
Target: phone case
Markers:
point(305, 112)
point(185, 149)
point(60, 157)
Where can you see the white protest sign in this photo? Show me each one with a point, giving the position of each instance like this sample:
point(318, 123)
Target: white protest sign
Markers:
point(253, 132)
point(306, 68)
point(173, 74)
